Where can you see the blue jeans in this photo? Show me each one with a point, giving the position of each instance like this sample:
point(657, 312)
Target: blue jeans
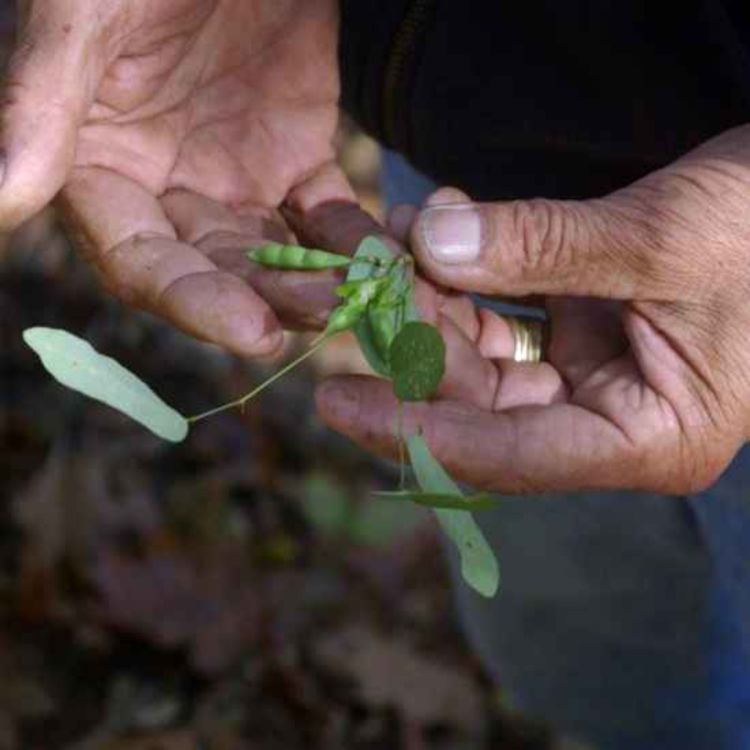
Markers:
point(623, 618)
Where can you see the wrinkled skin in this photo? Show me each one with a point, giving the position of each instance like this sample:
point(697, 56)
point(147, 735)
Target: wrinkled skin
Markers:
point(177, 129)
point(648, 379)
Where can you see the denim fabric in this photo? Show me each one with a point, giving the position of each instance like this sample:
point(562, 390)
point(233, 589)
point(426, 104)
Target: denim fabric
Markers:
point(623, 618)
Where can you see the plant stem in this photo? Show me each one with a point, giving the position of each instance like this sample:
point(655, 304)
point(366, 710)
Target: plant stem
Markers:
point(317, 344)
point(401, 446)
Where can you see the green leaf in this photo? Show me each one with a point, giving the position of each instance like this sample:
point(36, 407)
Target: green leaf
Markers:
point(370, 247)
point(391, 309)
point(77, 365)
point(480, 501)
point(417, 361)
point(478, 563)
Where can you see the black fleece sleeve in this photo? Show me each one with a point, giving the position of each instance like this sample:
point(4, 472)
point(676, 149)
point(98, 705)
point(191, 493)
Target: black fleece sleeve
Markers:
point(368, 30)
point(558, 98)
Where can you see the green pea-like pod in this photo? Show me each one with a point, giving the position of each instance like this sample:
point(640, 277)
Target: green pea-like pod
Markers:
point(343, 318)
point(386, 314)
point(296, 258)
point(360, 292)
point(384, 326)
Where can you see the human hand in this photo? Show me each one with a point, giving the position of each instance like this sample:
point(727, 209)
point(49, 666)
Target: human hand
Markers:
point(647, 384)
point(175, 129)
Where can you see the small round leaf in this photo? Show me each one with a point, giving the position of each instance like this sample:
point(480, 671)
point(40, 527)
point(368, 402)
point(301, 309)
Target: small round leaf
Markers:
point(417, 361)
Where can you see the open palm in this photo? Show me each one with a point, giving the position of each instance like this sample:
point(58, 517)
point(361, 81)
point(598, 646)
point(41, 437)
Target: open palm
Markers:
point(176, 128)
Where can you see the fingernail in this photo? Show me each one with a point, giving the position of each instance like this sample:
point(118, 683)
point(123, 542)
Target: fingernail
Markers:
point(452, 234)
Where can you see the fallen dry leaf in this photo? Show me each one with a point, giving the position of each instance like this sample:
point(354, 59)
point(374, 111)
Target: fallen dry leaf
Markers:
point(389, 673)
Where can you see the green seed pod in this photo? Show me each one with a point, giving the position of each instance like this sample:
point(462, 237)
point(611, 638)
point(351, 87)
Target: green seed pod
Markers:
point(360, 292)
point(296, 258)
point(344, 317)
point(384, 325)
point(386, 314)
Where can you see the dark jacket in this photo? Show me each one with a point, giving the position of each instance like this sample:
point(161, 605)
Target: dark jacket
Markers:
point(558, 98)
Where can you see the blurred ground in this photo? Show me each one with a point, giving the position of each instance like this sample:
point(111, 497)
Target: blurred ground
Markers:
point(237, 592)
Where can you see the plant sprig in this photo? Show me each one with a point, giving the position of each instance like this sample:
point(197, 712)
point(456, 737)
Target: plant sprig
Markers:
point(377, 303)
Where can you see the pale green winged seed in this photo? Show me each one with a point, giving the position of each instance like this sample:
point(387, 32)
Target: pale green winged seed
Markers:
point(478, 563)
point(77, 365)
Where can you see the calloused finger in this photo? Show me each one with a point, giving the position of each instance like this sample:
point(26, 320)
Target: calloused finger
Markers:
point(324, 212)
point(527, 384)
point(219, 232)
point(529, 449)
point(494, 384)
point(48, 88)
point(124, 232)
point(469, 377)
point(299, 300)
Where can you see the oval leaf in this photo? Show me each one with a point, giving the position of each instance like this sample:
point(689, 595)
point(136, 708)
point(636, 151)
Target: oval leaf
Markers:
point(479, 566)
point(77, 365)
point(417, 360)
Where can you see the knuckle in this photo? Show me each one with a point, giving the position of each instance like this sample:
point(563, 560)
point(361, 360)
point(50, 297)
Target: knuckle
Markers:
point(540, 236)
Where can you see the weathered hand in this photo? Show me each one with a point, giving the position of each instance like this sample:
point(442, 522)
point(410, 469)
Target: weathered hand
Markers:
point(648, 293)
point(175, 129)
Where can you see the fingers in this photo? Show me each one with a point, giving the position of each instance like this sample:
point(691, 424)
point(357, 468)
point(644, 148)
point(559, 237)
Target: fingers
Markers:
point(49, 87)
point(468, 375)
point(528, 384)
point(324, 212)
point(495, 338)
point(473, 378)
point(336, 225)
point(125, 233)
point(326, 184)
point(299, 300)
point(519, 248)
point(585, 334)
point(528, 449)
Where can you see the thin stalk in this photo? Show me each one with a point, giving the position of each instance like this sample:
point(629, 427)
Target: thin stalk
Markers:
point(318, 341)
point(240, 402)
point(401, 446)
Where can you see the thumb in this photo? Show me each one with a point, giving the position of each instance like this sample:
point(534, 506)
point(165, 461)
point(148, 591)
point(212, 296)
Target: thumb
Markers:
point(49, 87)
point(524, 247)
